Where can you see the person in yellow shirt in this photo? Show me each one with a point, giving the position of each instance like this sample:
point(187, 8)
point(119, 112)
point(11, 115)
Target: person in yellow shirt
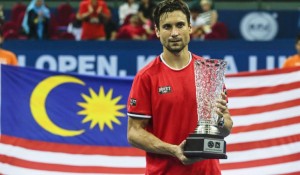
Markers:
point(294, 60)
point(6, 57)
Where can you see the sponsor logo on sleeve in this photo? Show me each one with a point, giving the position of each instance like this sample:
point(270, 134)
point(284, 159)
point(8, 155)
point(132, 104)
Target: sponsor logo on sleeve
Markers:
point(132, 102)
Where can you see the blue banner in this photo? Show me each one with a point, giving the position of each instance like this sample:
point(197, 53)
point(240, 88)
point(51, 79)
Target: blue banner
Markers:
point(125, 58)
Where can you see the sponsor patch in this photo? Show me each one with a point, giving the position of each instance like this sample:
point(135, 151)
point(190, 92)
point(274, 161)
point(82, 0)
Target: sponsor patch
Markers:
point(164, 89)
point(132, 102)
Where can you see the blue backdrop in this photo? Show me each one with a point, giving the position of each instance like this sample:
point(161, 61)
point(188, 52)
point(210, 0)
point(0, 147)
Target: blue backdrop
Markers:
point(125, 58)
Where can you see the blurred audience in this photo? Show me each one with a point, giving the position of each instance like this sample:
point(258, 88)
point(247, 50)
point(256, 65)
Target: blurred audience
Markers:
point(127, 8)
point(294, 60)
point(6, 57)
point(111, 29)
point(204, 17)
point(36, 20)
point(204, 21)
point(196, 24)
point(93, 14)
point(75, 26)
point(94, 21)
point(208, 15)
point(2, 18)
point(145, 11)
point(133, 30)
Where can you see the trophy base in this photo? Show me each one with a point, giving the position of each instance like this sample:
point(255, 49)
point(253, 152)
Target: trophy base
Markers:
point(206, 146)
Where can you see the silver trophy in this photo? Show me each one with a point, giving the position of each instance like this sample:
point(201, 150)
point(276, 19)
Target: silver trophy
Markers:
point(206, 141)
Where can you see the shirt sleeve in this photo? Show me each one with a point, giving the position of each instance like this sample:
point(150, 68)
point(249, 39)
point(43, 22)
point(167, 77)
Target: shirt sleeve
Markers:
point(139, 101)
point(105, 9)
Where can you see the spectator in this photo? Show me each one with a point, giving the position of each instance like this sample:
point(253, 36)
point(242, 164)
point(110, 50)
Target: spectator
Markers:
point(196, 24)
point(36, 20)
point(6, 57)
point(145, 11)
point(75, 26)
point(294, 60)
point(2, 18)
point(111, 29)
point(127, 8)
point(205, 20)
point(133, 30)
point(93, 13)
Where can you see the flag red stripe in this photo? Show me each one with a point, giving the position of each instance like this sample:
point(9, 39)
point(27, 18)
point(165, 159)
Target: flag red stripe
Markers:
point(294, 173)
point(67, 168)
point(264, 72)
point(262, 90)
point(262, 144)
point(72, 149)
point(265, 108)
point(266, 125)
point(261, 162)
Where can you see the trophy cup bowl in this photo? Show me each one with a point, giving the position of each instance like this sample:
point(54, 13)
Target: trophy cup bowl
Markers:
point(206, 141)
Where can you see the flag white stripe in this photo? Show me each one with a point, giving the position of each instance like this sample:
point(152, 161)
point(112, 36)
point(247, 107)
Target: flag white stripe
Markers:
point(260, 135)
point(261, 81)
point(283, 168)
point(263, 117)
point(260, 153)
point(7, 169)
point(261, 100)
point(73, 159)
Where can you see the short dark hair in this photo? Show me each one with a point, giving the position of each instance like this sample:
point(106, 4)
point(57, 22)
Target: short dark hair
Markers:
point(167, 6)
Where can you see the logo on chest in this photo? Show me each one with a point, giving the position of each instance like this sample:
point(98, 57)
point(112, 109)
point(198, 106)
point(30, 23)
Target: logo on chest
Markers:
point(164, 89)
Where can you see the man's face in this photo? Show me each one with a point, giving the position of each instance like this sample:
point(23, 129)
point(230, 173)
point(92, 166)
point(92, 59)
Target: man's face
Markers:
point(174, 31)
point(298, 47)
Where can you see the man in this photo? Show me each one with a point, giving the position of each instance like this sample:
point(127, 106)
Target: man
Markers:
point(162, 102)
point(7, 57)
point(294, 60)
point(93, 14)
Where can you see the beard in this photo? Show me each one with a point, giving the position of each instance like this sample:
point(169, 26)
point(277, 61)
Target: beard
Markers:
point(175, 47)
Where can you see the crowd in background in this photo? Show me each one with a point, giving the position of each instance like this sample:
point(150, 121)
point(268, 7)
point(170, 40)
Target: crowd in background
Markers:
point(94, 20)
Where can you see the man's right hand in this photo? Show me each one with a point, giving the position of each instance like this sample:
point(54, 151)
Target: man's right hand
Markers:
point(185, 160)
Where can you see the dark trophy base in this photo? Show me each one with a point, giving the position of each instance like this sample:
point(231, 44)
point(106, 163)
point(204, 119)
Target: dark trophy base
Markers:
point(205, 146)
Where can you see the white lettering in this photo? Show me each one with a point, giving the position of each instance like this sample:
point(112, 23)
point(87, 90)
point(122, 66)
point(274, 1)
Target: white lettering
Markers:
point(252, 63)
point(122, 73)
point(142, 61)
point(46, 60)
point(281, 60)
point(22, 60)
point(86, 64)
point(67, 63)
point(111, 66)
point(270, 62)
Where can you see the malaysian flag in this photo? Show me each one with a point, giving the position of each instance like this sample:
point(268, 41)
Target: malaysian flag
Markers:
point(265, 108)
point(68, 140)
point(64, 124)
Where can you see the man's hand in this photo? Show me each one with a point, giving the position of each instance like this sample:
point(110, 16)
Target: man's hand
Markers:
point(222, 106)
point(224, 121)
point(99, 10)
point(90, 10)
point(184, 160)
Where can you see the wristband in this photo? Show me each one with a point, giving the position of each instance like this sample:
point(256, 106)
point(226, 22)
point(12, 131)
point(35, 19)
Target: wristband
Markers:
point(221, 123)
